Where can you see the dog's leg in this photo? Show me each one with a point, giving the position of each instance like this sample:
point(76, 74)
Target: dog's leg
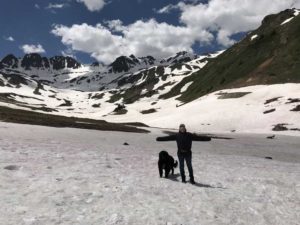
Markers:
point(167, 171)
point(160, 169)
point(172, 171)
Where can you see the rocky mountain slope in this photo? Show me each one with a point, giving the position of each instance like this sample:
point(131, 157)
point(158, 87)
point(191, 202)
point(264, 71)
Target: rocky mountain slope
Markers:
point(127, 78)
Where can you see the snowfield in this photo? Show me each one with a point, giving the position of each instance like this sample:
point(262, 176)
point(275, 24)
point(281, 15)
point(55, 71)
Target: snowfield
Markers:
point(75, 176)
point(248, 113)
point(258, 110)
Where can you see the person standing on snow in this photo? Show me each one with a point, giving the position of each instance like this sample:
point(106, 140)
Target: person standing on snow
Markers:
point(184, 145)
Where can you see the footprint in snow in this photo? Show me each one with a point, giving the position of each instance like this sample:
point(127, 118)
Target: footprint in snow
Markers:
point(12, 167)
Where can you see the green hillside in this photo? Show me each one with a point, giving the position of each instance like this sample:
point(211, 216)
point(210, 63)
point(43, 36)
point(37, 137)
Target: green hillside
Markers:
point(273, 57)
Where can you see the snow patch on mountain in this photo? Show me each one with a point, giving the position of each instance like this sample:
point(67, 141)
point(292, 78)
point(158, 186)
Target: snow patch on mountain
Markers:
point(186, 86)
point(296, 13)
point(287, 20)
point(254, 37)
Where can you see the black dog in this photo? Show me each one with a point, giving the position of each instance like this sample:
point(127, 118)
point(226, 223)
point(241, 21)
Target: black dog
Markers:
point(167, 163)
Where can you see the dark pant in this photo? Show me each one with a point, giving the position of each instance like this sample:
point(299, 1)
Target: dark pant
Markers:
point(188, 159)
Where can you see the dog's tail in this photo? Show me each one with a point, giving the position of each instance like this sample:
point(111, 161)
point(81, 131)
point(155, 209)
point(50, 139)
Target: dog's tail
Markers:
point(175, 164)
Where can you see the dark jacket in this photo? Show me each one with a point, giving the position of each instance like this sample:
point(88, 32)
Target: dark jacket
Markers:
point(184, 140)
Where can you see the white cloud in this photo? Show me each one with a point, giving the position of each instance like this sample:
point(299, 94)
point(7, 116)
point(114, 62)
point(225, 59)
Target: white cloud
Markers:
point(69, 52)
point(115, 25)
point(93, 5)
point(37, 6)
point(199, 24)
point(140, 38)
point(223, 38)
point(167, 9)
point(55, 6)
point(228, 17)
point(33, 49)
point(10, 38)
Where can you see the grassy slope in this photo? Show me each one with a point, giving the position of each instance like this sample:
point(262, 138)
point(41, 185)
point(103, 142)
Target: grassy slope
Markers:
point(35, 118)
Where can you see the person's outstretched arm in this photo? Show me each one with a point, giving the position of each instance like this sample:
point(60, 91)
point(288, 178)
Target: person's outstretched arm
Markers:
point(167, 138)
point(200, 138)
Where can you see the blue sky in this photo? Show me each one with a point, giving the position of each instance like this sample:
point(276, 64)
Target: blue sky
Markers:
point(28, 24)
point(91, 32)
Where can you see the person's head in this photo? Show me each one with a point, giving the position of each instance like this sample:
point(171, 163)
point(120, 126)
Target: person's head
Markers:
point(182, 128)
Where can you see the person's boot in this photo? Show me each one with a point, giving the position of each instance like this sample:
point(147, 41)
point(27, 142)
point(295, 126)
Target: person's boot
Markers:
point(192, 180)
point(183, 179)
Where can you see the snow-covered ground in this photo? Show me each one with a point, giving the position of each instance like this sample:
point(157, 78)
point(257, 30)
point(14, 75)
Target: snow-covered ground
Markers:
point(211, 113)
point(76, 176)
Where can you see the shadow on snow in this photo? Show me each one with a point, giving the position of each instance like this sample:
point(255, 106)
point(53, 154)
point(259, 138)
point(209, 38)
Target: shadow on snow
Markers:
point(174, 177)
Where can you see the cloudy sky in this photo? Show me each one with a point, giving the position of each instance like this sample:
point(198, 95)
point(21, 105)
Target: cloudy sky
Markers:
point(101, 30)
